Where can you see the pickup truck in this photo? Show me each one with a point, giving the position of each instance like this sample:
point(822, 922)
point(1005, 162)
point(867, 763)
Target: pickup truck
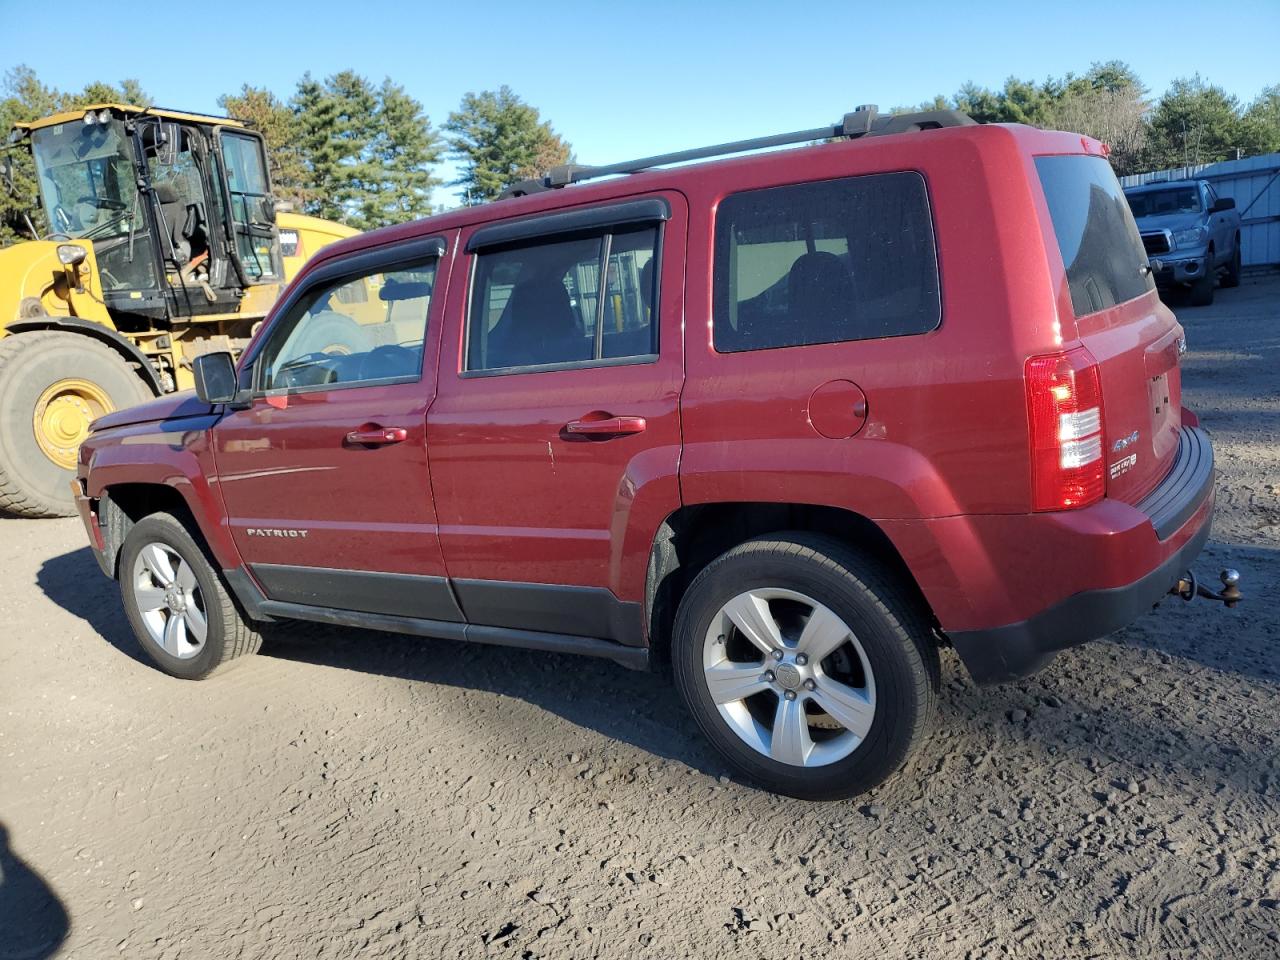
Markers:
point(1190, 233)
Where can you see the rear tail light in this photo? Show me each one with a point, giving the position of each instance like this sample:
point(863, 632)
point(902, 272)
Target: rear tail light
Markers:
point(1064, 407)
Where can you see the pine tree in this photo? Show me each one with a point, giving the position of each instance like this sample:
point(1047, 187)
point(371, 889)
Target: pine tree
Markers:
point(500, 140)
point(271, 117)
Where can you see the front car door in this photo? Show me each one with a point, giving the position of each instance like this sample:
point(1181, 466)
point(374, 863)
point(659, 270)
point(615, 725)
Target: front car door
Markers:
point(555, 434)
point(324, 475)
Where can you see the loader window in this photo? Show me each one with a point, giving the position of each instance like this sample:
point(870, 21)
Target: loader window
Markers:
point(86, 177)
point(251, 214)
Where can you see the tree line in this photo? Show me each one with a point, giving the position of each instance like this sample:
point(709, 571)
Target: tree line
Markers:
point(346, 148)
point(1191, 122)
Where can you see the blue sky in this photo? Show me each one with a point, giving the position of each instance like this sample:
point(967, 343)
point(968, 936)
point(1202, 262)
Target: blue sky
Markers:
point(622, 80)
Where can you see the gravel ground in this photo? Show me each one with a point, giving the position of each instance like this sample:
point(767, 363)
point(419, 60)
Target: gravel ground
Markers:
point(350, 794)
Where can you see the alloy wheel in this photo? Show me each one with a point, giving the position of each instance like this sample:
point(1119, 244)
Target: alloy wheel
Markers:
point(169, 600)
point(789, 677)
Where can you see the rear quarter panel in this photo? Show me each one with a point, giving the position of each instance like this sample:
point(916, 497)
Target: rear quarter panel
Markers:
point(946, 419)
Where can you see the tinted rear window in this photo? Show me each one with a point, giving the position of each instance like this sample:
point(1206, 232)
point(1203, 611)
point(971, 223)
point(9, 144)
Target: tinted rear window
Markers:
point(849, 259)
point(1100, 244)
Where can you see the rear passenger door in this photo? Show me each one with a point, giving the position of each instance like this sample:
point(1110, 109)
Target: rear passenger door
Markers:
point(554, 438)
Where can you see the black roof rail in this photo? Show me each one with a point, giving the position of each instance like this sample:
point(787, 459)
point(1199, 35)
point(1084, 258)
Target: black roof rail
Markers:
point(864, 121)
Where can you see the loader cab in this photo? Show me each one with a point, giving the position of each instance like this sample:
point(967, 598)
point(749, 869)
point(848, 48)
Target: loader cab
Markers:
point(178, 208)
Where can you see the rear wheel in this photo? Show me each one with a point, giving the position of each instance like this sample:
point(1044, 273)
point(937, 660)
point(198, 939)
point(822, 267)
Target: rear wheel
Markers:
point(52, 386)
point(176, 602)
point(806, 665)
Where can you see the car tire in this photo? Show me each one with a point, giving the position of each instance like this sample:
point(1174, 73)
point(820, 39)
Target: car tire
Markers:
point(1202, 289)
point(879, 679)
point(177, 603)
point(1232, 277)
point(39, 370)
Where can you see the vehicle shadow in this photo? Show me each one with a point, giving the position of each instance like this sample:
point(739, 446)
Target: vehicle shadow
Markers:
point(635, 707)
point(33, 921)
point(74, 582)
point(583, 690)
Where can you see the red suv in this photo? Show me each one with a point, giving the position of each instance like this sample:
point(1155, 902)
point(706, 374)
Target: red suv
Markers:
point(786, 422)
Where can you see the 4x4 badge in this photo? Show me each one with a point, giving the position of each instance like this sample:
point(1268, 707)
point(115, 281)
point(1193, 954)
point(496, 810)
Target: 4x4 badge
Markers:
point(1124, 443)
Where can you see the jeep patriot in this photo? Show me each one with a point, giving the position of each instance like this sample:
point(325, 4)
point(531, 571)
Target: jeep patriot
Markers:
point(782, 424)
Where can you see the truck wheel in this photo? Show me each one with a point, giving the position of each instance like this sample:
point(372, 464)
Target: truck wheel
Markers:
point(176, 602)
point(52, 385)
point(1232, 277)
point(1202, 289)
point(806, 664)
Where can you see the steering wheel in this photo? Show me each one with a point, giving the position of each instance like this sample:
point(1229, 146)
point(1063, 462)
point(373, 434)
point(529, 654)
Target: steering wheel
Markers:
point(389, 360)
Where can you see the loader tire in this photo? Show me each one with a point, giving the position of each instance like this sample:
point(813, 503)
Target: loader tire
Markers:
point(52, 385)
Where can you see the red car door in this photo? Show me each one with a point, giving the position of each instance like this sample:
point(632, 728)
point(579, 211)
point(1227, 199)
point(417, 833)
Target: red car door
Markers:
point(555, 435)
point(324, 476)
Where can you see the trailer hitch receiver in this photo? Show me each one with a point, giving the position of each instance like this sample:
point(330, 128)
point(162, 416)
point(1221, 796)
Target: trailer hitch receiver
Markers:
point(1188, 588)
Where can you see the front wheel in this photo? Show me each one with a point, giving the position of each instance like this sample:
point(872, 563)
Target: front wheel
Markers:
point(53, 384)
point(806, 664)
point(176, 602)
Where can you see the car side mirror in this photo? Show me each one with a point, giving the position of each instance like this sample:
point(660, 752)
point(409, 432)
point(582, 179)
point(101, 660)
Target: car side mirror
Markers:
point(215, 375)
point(1223, 203)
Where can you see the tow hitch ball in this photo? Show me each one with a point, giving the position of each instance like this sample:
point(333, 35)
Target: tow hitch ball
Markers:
point(1188, 588)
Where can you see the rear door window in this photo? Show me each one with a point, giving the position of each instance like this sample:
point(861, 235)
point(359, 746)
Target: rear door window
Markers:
point(848, 259)
point(1100, 244)
point(542, 303)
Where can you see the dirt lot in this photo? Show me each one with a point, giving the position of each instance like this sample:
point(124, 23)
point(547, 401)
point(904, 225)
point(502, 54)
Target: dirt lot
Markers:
point(348, 794)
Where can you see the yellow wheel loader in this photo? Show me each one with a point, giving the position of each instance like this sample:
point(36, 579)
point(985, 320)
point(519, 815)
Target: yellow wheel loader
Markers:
point(165, 242)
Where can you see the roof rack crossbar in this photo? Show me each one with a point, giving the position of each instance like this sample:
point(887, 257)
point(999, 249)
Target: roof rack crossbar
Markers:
point(862, 122)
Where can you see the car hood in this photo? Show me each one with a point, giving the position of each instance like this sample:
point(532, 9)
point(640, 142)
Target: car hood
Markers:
point(172, 406)
point(1172, 222)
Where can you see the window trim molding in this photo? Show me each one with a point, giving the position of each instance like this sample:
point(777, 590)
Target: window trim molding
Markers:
point(581, 220)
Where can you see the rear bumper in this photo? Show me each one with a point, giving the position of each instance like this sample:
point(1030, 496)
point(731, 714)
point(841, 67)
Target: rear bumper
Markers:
point(1179, 514)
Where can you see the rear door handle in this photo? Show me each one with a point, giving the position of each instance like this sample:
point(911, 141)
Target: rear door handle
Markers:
point(606, 427)
point(377, 436)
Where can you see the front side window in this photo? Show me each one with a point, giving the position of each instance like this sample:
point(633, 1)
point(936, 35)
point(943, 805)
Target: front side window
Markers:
point(358, 330)
point(544, 304)
point(1100, 244)
point(836, 260)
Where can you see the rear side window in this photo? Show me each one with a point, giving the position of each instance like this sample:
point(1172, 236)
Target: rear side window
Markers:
point(1100, 243)
point(849, 259)
point(544, 304)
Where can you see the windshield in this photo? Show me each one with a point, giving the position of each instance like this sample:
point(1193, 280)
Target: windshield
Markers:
point(1156, 203)
point(87, 182)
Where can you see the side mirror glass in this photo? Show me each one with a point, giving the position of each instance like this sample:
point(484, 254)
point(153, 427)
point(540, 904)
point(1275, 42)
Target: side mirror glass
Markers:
point(1223, 203)
point(215, 375)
